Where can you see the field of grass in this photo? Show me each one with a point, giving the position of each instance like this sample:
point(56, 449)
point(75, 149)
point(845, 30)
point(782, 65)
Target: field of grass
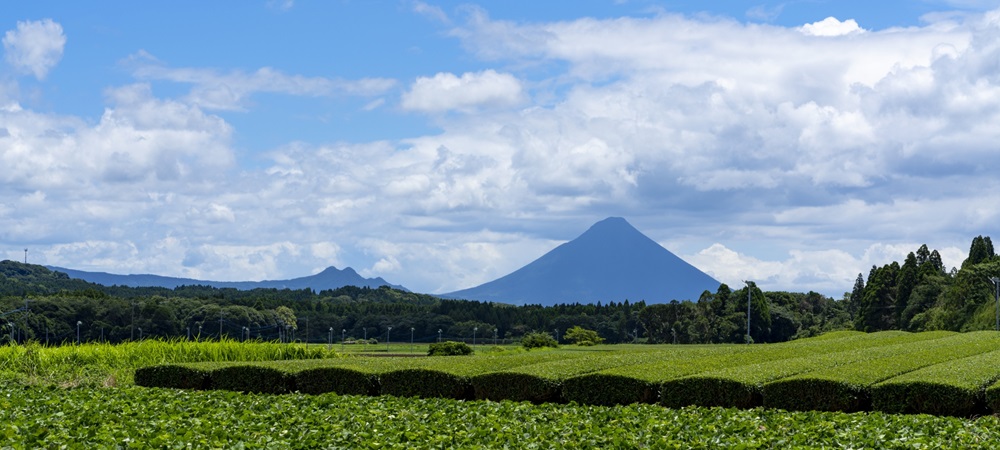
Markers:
point(85, 396)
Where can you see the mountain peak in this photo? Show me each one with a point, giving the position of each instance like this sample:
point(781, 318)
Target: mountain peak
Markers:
point(611, 261)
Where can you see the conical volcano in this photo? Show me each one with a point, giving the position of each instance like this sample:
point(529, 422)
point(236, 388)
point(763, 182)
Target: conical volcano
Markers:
point(612, 261)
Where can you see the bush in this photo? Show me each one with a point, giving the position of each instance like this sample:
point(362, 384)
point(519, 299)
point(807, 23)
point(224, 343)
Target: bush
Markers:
point(339, 380)
point(252, 378)
point(583, 336)
point(449, 348)
point(538, 340)
point(172, 376)
point(425, 383)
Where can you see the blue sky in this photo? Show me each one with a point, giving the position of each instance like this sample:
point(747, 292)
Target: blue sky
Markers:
point(444, 144)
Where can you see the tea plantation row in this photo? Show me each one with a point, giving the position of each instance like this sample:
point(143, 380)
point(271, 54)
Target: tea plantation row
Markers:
point(131, 417)
point(941, 373)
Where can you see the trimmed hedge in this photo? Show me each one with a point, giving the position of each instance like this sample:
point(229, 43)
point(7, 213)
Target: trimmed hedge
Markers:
point(643, 383)
point(741, 386)
point(252, 379)
point(953, 388)
point(847, 388)
point(543, 382)
point(175, 376)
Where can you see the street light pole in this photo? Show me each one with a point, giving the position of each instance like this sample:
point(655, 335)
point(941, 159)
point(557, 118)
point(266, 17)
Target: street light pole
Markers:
point(749, 293)
point(411, 339)
point(78, 323)
point(996, 284)
point(439, 335)
point(474, 330)
point(387, 334)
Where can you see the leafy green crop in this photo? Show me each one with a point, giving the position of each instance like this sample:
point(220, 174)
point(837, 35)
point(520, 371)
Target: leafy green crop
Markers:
point(166, 418)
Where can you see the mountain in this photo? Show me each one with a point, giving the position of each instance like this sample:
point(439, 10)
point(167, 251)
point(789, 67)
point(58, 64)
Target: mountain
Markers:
point(612, 261)
point(329, 278)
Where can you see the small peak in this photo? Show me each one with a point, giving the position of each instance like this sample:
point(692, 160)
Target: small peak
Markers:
point(612, 224)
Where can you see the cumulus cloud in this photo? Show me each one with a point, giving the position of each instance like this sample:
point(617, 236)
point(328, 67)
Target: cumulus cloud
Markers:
point(830, 26)
point(446, 92)
point(35, 47)
point(758, 151)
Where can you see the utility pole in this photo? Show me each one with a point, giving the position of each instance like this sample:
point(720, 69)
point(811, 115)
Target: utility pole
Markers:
point(749, 295)
point(26, 256)
point(996, 284)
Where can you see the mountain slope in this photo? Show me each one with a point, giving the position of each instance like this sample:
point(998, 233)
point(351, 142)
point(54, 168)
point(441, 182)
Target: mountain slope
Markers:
point(330, 278)
point(612, 261)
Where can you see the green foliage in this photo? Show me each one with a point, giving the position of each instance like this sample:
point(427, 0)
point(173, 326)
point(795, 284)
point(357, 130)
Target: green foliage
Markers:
point(252, 378)
point(952, 388)
point(582, 336)
point(162, 418)
point(538, 340)
point(173, 376)
point(449, 348)
point(848, 387)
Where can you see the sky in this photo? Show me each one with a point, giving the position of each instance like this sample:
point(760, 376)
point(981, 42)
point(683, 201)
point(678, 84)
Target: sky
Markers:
point(442, 144)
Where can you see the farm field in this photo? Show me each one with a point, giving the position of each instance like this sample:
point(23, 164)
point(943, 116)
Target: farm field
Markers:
point(168, 418)
point(85, 396)
point(848, 372)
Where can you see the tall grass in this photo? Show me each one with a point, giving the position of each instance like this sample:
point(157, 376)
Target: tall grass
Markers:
point(98, 364)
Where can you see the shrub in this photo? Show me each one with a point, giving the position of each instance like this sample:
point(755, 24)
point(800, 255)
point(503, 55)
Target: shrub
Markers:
point(583, 336)
point(449, 348)
point(252, 378)
point(339, 380)
point(172, 376)
point(538, 340)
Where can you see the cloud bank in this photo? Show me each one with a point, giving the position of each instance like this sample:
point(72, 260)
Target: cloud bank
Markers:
point(797, 157)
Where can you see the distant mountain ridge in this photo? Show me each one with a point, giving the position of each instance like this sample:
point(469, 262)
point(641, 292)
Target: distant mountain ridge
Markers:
point(329, 278)
point(611, 261)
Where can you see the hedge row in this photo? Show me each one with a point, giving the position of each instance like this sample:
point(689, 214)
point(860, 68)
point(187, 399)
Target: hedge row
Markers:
point(543, 382)
point(952, 388)
point(848, 388)
point(643, 383)
point(933, 372)
point(741, 386)
point(431, 377)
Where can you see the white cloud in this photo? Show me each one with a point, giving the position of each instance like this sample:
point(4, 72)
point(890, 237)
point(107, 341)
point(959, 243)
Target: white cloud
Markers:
point(231, 90)
point(830, 26)
point(765, 153)
point(35, 47)
point(446, 92)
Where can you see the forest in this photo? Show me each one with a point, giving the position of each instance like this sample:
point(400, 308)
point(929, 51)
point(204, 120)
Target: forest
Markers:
point(37, 304)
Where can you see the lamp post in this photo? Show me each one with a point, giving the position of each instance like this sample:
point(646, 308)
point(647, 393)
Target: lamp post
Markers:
point(244, 332)
point(474, 330)
point(78, 323)
point(494, 337)
point(557, 335)
point(329, 344)
point(749, 296)
point(996, 284)
point(199, 331)
point(635, 335)
point(140, 333)
point(411, 339)
point(387, 333)
point(343, 339)
point(439, 335)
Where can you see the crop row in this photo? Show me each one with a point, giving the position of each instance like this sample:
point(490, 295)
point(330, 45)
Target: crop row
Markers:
point(933, 372)
point(166, 418)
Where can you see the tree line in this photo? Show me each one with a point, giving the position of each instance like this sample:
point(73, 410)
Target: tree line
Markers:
point(49, 307)
point(921, 294)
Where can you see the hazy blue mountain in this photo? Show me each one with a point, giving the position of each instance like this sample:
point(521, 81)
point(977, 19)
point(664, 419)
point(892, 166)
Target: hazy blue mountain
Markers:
point(612, 261)
point(330, 278)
